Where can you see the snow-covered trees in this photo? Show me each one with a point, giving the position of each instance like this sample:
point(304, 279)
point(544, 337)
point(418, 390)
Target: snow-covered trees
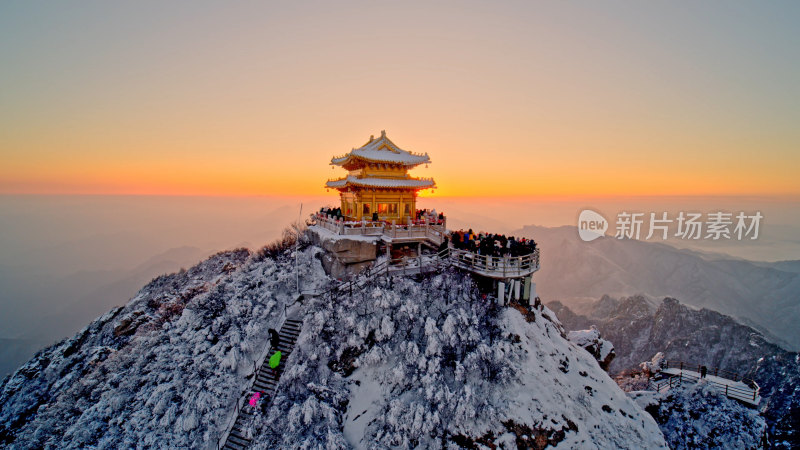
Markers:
point(699, 416)
point(592, 342)
point(401, 363)
point(405, 363)
point(162, 371)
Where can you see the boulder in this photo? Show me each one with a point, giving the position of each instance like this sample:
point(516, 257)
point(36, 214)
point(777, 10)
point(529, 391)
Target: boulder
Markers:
point(344, 256)
point(592, 342)
point(340, 271)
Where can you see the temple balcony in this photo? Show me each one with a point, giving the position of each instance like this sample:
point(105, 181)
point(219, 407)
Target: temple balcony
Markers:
point(433, 231)
point(500, 267)
point(433, 234)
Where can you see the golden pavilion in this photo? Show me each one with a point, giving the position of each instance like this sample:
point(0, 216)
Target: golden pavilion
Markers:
point(377, 184)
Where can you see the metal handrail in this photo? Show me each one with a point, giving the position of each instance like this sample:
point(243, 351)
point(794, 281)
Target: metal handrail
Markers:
point(505, 265)
point(710, 371)
point(432, 231)
point(735, 392)
point(242, 397)
point(730, 391)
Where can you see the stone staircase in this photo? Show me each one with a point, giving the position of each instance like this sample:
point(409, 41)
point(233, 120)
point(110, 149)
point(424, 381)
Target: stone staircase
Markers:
point(266, 381)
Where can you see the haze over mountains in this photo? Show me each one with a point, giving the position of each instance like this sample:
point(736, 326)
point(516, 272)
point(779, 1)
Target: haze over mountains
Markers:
point(765, 296)
point(66, 260)
point(573, 272)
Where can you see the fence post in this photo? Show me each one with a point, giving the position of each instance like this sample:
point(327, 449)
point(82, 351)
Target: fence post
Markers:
point(681, 365)
point(419, 255)
point(726, 390)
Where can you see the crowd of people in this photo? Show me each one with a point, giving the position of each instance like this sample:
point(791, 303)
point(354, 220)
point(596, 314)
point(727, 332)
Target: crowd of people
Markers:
point(422, 215)
point(335, 212)
point(481, 243)
point(492, 244)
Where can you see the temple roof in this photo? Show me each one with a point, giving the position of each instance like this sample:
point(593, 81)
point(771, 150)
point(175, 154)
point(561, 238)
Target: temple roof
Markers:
point(418, 183)
point(382, 150)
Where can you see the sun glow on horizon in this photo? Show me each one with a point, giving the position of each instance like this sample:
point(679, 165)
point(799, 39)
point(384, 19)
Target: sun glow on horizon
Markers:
point(509, 101)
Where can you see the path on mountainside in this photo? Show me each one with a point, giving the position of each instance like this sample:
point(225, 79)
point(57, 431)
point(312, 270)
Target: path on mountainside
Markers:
point(488, 266)
point(676, 373)
point(266, 381)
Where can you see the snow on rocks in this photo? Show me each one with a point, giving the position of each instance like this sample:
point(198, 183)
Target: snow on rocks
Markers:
point(655, 365)
point(430, 363)
point(402, 363)
point(590, 340)
point(699, 416)
point(165, 370)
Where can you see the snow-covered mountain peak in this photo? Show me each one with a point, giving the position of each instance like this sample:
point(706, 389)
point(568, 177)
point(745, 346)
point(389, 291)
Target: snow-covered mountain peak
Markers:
point(401, 363)
point(430, 362)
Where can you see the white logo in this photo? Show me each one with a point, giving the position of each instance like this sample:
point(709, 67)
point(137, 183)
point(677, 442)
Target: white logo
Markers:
point(591, 225)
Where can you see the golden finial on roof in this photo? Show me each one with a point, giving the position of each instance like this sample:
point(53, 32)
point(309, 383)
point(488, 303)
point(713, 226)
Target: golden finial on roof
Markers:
point(383, 133)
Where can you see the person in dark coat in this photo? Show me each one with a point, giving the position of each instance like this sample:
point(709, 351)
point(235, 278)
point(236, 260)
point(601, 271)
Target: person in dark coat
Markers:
point(443, 246)
point(264, 404)
point(274, 338)
point(456, 240)
point(703, 371)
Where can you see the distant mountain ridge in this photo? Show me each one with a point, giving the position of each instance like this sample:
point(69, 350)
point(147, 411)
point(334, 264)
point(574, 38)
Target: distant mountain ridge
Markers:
point(638, 328)
point(759, 294)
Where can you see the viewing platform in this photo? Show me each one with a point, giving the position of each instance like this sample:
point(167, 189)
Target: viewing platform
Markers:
point(676, 373)
point(431, 231)
point(500, 267)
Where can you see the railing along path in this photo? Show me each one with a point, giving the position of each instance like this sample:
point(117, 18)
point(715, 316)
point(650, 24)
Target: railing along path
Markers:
point(433, 231)
point(731, 384)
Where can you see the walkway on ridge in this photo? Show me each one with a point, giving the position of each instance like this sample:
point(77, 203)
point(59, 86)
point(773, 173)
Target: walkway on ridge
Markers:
point(735, 387)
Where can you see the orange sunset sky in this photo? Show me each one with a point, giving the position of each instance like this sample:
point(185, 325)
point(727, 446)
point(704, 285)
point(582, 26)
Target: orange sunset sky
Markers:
point(509, 99)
